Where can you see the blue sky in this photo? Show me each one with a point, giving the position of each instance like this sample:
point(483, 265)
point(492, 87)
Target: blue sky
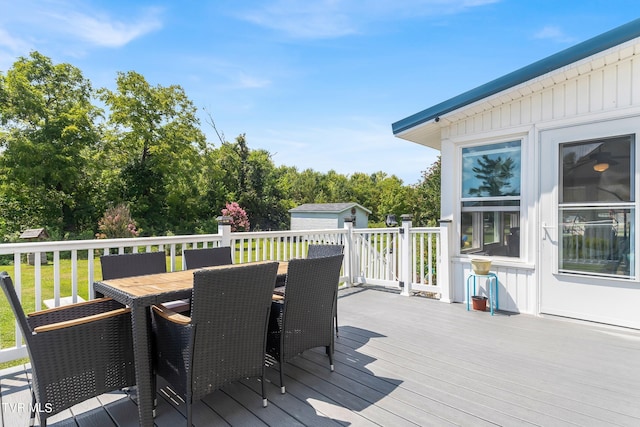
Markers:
point(316, 83)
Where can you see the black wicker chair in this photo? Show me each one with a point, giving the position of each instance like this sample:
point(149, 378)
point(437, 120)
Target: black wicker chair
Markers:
point(319, 251)
point(304, 319)
point(127, 265)
point(138, 264)
point(207, 257)
point(225, 337)
point(74, 357)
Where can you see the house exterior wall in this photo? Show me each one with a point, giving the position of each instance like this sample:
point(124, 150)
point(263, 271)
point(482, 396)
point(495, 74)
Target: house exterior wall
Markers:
point(313, 221)
point(362, 219)
point(588, 91)
point(323, 220)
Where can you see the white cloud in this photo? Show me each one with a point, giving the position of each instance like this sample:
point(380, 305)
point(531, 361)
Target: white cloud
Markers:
point(10, 47)
point(101, 30)
point(552, 32)
point(12, 43)
point(245, 81)
point(71, 24)
point(338, 18)
point(304, 19)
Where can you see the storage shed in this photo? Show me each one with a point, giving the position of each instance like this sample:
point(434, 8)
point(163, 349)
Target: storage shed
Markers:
point(33, 235)
point(317, 216)
point(540, 174)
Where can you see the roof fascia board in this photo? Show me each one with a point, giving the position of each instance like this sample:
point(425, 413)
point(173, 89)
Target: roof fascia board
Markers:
point(558, 60)
point(346, 208)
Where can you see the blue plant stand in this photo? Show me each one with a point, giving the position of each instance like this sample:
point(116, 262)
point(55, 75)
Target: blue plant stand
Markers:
point(493, 290)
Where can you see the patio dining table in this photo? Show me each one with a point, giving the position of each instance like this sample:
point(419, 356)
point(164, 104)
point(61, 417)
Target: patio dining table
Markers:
point(140, 293)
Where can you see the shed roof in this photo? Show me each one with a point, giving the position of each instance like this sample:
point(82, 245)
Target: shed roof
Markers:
point(327, 207)
point(34, 233)
point(561, 59)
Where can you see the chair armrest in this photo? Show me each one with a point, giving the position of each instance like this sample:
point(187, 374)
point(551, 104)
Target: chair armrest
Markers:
point(81, 321)
point(170, 315)
point(73, 311)
point(179, 306)
point(68, 307)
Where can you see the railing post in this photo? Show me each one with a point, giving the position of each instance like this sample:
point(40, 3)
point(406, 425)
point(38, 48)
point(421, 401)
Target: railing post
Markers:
point(444, 263)
point(406, 257)
point(224, 229)
point(348, 250)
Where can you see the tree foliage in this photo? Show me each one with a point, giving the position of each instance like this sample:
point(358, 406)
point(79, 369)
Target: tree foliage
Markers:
point(424, 200)
point(154, 131)
point(48, 130)
point(65, 162)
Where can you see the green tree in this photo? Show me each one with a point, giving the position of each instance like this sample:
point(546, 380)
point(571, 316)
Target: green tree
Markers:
point(392, 198)
point(47, 136)
point(216, 190)
point(154, 134)
point(262, 196)
point(424, 198)
point(336, 186)
point(305, 187)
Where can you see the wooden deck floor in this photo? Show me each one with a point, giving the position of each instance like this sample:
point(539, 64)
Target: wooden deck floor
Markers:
point(413, 361)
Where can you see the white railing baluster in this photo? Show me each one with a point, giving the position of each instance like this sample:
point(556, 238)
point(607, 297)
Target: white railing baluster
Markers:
point(17, 277)
point(56, 278)
point(74, 275)
point(430, 237)
point(374, 257)
point(90, 272)
point(38, 281)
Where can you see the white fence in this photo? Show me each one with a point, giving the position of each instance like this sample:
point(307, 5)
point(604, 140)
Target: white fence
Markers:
point(384, 256)
point(401, 257)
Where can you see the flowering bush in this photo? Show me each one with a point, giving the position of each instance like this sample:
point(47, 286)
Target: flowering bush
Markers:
point(116, 223)
point(239, 217)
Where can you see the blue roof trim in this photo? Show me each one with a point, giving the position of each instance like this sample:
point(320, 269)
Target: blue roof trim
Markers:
point(561, 59)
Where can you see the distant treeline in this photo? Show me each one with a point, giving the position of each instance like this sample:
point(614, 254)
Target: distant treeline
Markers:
point(69, 152)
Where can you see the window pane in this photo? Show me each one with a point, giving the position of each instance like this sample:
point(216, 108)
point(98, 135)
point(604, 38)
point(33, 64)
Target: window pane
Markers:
point(491, 170)
point(507, 204)
point(597, 241)
point(490, 233)
point(597, 171)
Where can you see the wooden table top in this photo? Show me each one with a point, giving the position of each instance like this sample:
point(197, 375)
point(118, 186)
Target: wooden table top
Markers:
point(151, 284)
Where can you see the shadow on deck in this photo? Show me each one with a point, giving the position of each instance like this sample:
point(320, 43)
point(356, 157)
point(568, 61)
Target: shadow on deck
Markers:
point(410, 361)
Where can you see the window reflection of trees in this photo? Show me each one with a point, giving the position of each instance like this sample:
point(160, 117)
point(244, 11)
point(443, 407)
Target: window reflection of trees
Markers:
point(495, 176)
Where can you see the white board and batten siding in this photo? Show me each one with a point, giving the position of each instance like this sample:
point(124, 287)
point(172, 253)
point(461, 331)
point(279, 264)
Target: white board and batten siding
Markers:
point(318, 216)
point(314, 222)
point(600, 88)
point(584, 90)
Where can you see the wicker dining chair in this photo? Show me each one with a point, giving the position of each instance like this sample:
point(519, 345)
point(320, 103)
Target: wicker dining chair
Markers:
point(207, 257)
point(224, 338)
point(303, 320)
point(77, 352)
point(319, 251)
point(136, 264)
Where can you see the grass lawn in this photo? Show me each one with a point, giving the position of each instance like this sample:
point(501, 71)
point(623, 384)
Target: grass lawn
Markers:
point(7, 328)
point(7, 324)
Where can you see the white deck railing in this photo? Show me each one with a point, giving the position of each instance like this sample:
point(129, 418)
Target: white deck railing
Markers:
point(402, 257)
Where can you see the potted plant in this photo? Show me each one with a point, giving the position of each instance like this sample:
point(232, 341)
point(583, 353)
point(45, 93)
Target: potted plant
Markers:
point(479, 302)
point(481, 266)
